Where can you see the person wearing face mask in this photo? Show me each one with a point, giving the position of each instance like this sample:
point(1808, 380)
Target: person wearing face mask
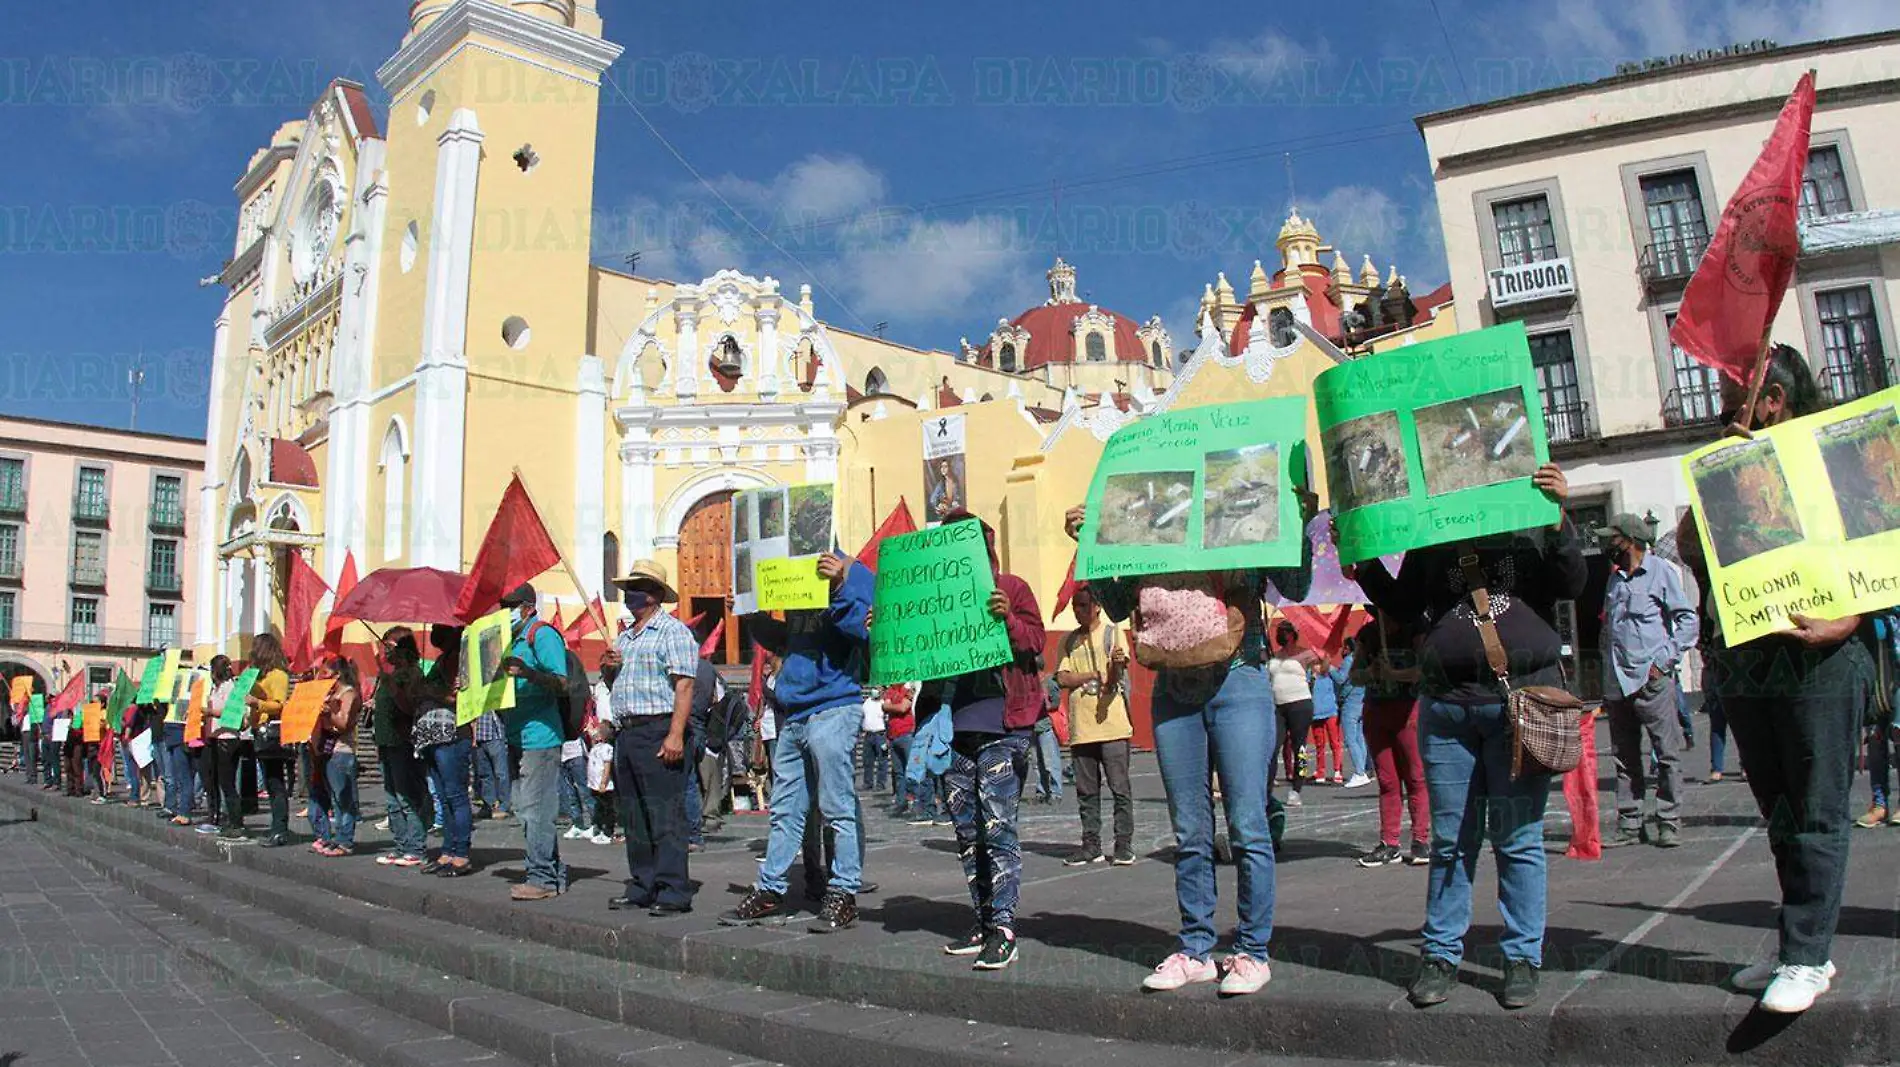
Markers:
point(650, 671)
point(1795, 701)
point(537, 661)
point(1650, 625)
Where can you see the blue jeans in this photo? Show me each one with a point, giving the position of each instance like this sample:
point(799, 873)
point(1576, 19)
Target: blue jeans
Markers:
point(577, 801)
point(1467, 754)
point(695, 797)
point(448, 770)
point(1352, 723)
point(409, 807)
point(985, 784)
point(129, 767)
point(877, 761)
point(1048, 763)
point(174, 763)
point(1232, 730)
point(492, 783)
point(820, 745)
point(1718, 730)
point(538, 791)
point(333, 800)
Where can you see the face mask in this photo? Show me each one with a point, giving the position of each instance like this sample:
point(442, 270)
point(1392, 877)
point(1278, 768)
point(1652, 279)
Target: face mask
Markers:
point(515, 617)
point(637, 600)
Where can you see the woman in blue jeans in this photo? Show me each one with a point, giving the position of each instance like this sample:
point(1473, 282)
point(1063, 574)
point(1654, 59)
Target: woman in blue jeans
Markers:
point(1213, 719)
point(1465, 740)
point(333, 808)
point(444, 749)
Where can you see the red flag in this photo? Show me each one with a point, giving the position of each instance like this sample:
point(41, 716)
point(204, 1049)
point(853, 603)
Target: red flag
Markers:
point(755, 693)
point(1580, 792)
point(306, 589)
point(556, 622)
point(588, 622)
point(1066, 591)
point(1737, 288)
point(333, 627)
point(515, 549)
point(712, 639)
point(897, 522)
point(69, 697)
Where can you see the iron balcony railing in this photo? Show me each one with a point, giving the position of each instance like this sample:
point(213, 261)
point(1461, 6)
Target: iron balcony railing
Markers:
point(90, 509)
point(1692, 407)
point(1671, 261)
point(89, 575)
point(1856, 378)
point(168, 517)
point(1568, 422)
point(164, 582)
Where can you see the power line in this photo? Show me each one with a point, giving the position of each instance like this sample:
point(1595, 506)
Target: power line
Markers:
point(1451, 52)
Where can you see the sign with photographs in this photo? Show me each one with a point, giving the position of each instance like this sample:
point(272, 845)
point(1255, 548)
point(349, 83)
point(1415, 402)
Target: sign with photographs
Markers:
point(777, 537)
point(1803, 518)
point(1207, 488)
point(945, 487)
point(483, 685)
point(931, 607)
point(1433, 443)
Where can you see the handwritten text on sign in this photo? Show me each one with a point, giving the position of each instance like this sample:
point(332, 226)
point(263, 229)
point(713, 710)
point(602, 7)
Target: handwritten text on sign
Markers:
point(931, 607)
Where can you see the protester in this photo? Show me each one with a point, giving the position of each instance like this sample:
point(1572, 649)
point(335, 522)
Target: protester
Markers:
point(708, 690)
point(1465, 738)
point(1092, 668)
point(266, 701)
point(1329, 740)
point(819, 690)
point(1386, 671)
point(333, 806)
point(1649, 625)
point(174, 761)
point(650, 670)
point(1352, 714)
point(392, 725)
point(537, 662)
point(1212, 715)
point(577, 800)
point(1795, 701)
point(492, 797)
point(427, 700)
point(898, 702)
point(1291, 669)
point(875, 757)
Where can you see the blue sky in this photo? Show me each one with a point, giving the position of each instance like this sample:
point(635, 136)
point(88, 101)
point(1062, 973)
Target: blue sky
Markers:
point(919, 165)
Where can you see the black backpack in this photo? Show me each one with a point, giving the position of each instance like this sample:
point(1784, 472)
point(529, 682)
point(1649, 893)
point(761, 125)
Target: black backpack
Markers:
point(576, 694)
point(729, 718)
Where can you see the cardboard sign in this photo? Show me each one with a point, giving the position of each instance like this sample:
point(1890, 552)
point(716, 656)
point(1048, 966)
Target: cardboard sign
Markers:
point(148, 680)
point(932, 616)
point(777, 537)
point(92, 720)
point(36, 708)
point(1204, 489)
point(19, 689)
point(141, 749)
point(232, 715)
point(62, 729)
point(1802, 519)
point(299, 717)
point(195, 707)
point(485, 686)
point(1433, 443)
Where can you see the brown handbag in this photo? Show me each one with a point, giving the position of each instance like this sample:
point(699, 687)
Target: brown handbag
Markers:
point(1546, 722)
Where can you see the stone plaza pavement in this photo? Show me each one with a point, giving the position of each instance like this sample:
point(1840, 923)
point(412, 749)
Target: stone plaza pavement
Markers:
point(1639, 945)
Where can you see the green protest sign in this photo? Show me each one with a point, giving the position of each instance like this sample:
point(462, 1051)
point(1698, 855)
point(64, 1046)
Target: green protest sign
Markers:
point(231, 716)
point(1202, 489)
point(36, 708)
point(148, 681)
point(123, 690)
point(931, 604)
point(1431, 443)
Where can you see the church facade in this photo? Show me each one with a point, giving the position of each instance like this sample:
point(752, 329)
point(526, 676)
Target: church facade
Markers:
point(412, 315)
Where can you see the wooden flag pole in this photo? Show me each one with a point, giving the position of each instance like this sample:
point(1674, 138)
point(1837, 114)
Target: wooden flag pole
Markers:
point(600, 617)
point(1756, 378)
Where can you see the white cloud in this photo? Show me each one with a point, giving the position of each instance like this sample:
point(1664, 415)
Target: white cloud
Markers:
point(816, 188)
point(1262, 58)
point(918, 269)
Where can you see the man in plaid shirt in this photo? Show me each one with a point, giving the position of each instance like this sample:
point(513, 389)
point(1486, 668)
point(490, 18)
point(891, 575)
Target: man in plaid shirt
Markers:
point(491, 766)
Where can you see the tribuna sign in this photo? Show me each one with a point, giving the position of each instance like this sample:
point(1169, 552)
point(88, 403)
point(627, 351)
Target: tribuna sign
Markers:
point(1526, 282)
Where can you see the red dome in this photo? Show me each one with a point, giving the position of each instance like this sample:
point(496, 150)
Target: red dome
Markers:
point(1052, 338)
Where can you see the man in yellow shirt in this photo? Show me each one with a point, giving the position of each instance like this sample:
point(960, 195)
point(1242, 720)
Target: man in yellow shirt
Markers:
point(1092, 671)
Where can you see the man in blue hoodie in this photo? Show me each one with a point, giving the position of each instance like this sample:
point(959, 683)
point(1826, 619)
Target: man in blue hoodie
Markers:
point(821, 694)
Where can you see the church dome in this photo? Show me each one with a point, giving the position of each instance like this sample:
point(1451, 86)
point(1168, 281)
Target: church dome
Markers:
point(1064, 329)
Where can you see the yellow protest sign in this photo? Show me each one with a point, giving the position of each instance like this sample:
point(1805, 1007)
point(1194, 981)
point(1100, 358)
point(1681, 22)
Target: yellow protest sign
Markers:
point(299, 721)
point(789, 584)
point(20, 689)
point(484, 685)
point(1802, 519)
point(93, 723)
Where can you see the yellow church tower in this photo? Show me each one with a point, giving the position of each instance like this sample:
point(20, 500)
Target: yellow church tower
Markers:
point(481, 342)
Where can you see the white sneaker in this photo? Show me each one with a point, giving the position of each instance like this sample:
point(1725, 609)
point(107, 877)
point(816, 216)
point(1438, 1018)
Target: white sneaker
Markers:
point(575, 833)
point(600, 838)
point(1358, 781)
point(1180, 970)
point(1795, 987)
point(1244, 975)
point(1756, 976)
point(383, 825)
point(1293, 799)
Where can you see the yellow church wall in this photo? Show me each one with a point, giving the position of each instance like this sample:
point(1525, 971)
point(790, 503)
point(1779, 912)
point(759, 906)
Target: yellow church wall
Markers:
point(400, 404)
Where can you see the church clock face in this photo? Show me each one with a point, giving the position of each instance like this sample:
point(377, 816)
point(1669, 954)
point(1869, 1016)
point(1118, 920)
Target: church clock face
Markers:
point(315, 230)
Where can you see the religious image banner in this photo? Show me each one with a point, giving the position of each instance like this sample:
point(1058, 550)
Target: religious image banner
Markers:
point(1434, 442)
point(1201, 489)
point(777, 536)
point(945, 486)
point(1803, 518)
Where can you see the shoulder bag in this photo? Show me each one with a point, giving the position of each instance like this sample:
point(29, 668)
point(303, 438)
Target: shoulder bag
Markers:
point(1546, 722)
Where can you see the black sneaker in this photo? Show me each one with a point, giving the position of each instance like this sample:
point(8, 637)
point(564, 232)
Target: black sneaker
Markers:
point(1420, 856)
point(1123, 857)
point(1520, 984)
point(839, 910)
point(968, 945)
point(1382, 856)
point(1436, 979)
point(758, 906)
point(999, 950)
point(1628, 835)
point(1085, 857)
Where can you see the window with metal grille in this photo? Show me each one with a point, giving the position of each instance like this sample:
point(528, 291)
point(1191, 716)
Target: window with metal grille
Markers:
point(1555, 363)
point(89, 497)
point(83, 627)
point(1850, 340)
point(9, 615)
point(89, 557)
point(162, 574)
point(1824, 186)
point(1097, 348)
point(1697, 393)
point(168, 500)
point(12, 485)
point(161, 625)
point(1525, 233)
point(1678, 229)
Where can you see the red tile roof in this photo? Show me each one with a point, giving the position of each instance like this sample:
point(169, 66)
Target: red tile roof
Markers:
point(1051, 339)
point(290, 464)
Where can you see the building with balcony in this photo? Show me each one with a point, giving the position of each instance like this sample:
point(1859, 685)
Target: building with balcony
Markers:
point(1582, 211)
point(94, 547)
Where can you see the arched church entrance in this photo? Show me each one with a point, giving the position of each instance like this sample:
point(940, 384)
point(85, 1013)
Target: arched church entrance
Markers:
point(705, 577)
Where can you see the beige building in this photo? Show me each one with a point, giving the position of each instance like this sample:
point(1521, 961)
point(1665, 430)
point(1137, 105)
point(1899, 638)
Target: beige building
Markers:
point(1582, 211)
point(95, 548)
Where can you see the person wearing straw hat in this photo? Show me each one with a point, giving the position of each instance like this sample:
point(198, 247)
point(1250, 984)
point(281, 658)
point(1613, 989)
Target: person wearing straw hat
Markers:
point(650, 670)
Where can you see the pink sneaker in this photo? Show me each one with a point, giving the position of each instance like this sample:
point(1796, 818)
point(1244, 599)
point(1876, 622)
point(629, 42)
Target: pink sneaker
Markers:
point(1178, 970)
point(1244, 975)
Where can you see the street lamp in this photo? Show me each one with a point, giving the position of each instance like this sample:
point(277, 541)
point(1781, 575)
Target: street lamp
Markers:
point(1650, 520)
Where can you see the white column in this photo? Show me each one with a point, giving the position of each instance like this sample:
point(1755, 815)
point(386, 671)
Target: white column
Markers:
point(821, 455)
point(686, 359)
point(345, 483)
point(259, 620)
point(766, 364)
point(637, 459)
point(435, 528)
point(205, 611)
point(590, 474)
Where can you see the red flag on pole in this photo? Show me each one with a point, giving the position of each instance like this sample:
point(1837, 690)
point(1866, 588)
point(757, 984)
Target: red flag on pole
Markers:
point(1737, 288)
point(516, 548)
point(897, 522)
point(587, 622)
point(1066, 592)
point(305, 590)
point(334, 626)
point(69, 697)
point(755, 692)
point(559, 626)
point(712, 639)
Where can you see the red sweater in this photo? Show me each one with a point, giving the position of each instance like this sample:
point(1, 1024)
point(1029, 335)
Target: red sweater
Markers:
point(1022, 680)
